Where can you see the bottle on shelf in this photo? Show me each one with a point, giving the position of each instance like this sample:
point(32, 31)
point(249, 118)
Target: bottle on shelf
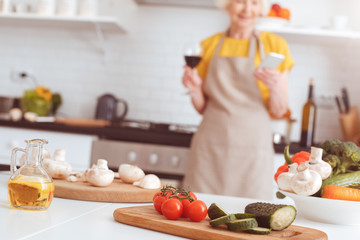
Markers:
point(308, 119)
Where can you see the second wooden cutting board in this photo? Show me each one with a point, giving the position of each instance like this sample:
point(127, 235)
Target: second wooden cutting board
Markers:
point(147, 217)
point(116, 192)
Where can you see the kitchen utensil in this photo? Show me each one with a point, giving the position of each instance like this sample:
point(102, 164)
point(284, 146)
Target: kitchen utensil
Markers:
point(326, 210)
point(345, 98)
point(350, 124)
point(30, 187)
point(338, 103)
point(147, 217)
point(107, 106)
point(116, 192)
point(82, 122)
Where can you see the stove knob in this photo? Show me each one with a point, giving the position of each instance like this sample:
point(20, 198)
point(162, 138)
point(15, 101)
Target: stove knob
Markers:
point(132, 156)
point(153, 159)
point(175, 160)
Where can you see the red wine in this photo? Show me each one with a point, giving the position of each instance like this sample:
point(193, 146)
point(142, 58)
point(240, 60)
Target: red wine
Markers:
point(308, 120)
point(192, 61)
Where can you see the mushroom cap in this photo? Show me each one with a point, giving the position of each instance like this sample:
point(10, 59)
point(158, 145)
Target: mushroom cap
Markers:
point(308, 186)
point(99, 177)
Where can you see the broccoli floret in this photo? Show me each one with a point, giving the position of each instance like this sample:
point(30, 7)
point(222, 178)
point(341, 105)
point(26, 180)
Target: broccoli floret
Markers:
point(351, 151)
point(342, 156)
point(330, 146)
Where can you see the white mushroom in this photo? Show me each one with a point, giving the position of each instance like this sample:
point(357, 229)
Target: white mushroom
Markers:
point(317, 164)
point(284, 178)
point(150, 181)
point(100, 175)
point(72, 178)
point(30, 116)
point(57, 167)
point(15, 114)
point(130, 173)
point(305, 182)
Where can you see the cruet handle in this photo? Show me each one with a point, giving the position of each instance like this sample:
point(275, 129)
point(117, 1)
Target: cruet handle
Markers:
point(13, 159)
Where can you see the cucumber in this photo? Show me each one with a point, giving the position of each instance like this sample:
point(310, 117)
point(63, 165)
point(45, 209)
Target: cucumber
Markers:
point(214, 211)
point(258, 230)
point(244, 215)
point(222, 220)
point(240, 225)
point(345, 179)
point(274, 216)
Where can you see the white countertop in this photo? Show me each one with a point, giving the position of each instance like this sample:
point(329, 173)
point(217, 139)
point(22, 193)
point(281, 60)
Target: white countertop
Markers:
point(70, 219)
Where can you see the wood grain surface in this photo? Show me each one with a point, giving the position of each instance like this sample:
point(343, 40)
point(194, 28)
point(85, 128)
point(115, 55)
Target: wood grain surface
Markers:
point(83, 122)
point(147, 217)
point(116, 192)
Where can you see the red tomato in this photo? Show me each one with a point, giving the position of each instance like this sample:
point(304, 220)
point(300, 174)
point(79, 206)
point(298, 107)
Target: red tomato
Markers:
point(197, 211)
point(172, 208)
point(185, 203)
point(158, 201)
point(276, 7)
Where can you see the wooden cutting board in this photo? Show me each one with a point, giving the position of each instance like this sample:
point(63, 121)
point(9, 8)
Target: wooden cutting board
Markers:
point(116, 192)
point(83, 122)
point(147, 217)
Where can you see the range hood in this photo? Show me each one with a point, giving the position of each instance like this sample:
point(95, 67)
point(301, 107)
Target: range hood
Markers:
point(180, 3)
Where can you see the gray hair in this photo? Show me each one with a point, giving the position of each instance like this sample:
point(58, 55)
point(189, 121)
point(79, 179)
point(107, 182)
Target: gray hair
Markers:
point(264, 11)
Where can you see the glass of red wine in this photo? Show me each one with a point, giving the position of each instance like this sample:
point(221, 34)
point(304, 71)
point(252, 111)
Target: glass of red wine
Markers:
point(193, 55)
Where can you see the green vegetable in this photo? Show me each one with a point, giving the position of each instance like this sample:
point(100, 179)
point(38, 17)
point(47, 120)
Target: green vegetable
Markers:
point(244, 215)
point(258, 230)
point(214, 211)
point(346, 180)
point(273, 216)
point(344, 157)
point(239, 225)
point(222, 220)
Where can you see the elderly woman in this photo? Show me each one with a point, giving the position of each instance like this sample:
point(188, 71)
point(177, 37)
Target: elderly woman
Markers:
point(232, 151)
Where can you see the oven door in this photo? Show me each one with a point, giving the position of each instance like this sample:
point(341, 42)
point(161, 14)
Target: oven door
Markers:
point(169, 163)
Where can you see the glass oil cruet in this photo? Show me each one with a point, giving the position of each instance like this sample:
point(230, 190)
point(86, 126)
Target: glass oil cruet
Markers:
point(30, 187)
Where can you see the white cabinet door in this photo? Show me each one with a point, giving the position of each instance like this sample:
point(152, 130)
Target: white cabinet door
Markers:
point(77, 146)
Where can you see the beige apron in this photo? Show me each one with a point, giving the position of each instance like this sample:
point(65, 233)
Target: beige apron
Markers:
point(232, 151)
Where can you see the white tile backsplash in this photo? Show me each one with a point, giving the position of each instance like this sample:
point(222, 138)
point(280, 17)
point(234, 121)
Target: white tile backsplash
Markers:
point(145, 65)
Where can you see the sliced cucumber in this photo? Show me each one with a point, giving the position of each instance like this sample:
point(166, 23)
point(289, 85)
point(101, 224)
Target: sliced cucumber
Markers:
point(273, 216)
point(244, 215)
point(214, 211)
point(240, 225)
point(258, 230)
point(222, 220)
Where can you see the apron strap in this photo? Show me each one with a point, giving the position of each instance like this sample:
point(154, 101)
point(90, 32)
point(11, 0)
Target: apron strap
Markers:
point(252, 49)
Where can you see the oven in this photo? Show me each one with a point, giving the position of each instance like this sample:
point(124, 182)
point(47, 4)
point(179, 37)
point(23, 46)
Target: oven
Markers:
point(158, 148)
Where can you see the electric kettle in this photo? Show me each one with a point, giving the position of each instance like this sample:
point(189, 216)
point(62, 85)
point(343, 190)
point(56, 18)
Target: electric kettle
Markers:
point(107, 106)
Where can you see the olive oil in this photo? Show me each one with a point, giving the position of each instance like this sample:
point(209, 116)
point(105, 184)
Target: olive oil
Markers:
point(30, 193)
point(308, 119)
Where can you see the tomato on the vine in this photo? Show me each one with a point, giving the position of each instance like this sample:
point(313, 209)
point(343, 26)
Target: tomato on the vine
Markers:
point(172, 208)
point(197, 211)
point(158, 201)
point(185, 202)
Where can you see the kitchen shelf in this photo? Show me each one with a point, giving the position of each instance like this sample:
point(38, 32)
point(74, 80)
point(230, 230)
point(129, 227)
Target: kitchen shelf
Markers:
point(312, 32)
point(104, 22)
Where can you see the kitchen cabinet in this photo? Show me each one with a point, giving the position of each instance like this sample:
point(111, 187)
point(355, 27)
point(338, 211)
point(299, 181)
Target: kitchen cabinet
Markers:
point(77, 146)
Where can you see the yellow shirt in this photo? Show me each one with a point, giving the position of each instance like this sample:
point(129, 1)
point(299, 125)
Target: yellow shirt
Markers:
point(239, 48)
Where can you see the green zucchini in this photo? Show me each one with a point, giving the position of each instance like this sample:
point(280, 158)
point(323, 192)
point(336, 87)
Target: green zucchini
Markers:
point(258, 230)
point(274, 216)
point(240, 225)
point(345, 179)
point(214, 211)
point(222, 220)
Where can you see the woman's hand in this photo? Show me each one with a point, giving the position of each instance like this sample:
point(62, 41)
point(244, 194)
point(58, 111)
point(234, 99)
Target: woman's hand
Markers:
point(191, 79)
point(270, 77)
point(277, 84)
point(193, 82)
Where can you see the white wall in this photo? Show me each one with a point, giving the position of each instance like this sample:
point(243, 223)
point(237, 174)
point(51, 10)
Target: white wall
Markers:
point(144, 66)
